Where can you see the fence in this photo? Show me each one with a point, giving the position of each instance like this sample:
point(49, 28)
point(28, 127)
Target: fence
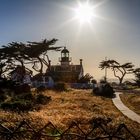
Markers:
point(98, 130)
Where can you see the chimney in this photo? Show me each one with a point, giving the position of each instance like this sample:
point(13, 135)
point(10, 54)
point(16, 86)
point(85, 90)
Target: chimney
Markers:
point(81, 61)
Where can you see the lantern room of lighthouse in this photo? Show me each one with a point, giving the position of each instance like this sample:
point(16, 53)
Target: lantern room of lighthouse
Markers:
point(65, 59)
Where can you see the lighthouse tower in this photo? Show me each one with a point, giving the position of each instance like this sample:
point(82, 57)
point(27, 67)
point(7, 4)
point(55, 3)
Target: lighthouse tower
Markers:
point(65, 59)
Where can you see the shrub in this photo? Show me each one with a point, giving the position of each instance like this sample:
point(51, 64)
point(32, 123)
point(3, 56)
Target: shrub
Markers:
point(17, 105)
point(60, 87)
point(2, 97)
point(103, 81)
point(22, 88)
point(40, 89)
point(25, 96)
point(104, 90)
point(85, 79)
point(108, 90)
point(94, 81)
point(23, 101)
point(41, 99)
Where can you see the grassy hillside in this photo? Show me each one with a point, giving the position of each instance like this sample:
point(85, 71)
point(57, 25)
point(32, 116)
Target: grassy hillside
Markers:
point(74, 105)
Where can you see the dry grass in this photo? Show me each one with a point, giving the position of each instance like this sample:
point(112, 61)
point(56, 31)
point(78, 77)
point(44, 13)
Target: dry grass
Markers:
point(74, 105)
point(132, 100)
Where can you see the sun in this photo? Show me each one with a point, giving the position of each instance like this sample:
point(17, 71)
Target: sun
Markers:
point(84, 12)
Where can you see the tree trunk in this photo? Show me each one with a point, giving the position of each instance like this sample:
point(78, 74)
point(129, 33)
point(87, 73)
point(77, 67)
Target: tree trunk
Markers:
point(120, 80)
point(120, 77)
point(41, 65)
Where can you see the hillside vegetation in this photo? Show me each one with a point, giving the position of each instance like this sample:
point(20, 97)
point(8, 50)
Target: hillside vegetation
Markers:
point(74, 105)
point(132, 100)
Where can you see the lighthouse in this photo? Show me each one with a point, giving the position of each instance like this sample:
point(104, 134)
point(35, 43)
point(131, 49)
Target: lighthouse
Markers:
point(66, 71)
point(65, 59)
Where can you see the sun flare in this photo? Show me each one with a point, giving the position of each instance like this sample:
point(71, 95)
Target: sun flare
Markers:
point(84, 12)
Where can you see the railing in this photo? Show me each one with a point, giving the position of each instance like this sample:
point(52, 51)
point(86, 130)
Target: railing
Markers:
point(60, 59)
point(99, 129)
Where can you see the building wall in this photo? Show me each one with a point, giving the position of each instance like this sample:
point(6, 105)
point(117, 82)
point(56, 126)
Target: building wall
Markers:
point(66, 74)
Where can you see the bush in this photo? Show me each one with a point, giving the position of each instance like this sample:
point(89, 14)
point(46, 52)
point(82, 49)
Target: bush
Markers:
point(103, 81)
point(94, 81)
point(40, 89)
point(23, 101)
point(17, 105)
point(60, 87)
point(108, 90)
point(41, 99)
point(25, 96)
point(104, 90)
point(22, 88)
point(2, 97)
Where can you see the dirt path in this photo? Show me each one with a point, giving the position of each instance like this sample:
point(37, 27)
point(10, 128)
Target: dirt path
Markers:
point(125, 110)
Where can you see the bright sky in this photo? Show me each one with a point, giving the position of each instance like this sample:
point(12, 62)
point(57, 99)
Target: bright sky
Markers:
point(113, 31)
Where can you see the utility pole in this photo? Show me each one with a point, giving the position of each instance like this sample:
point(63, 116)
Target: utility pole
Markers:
point(105, 71)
